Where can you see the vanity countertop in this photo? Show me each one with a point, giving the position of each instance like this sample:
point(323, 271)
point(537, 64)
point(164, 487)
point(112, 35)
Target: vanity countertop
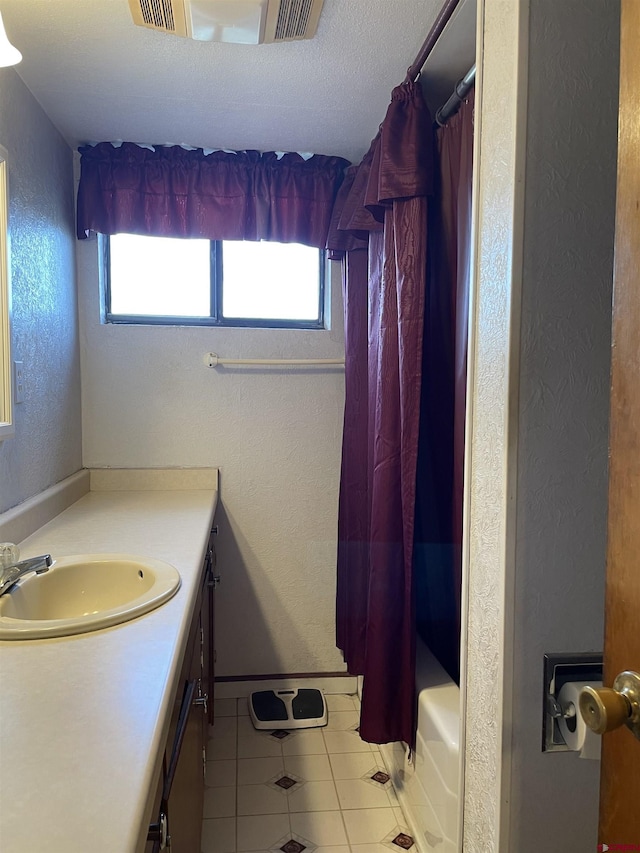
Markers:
point(83, 719)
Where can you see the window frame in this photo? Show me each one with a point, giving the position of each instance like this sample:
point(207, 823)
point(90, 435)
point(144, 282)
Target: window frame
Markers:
point(216, 286)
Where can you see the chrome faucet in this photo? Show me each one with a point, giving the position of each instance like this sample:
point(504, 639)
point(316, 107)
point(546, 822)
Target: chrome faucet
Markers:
point(11, 574)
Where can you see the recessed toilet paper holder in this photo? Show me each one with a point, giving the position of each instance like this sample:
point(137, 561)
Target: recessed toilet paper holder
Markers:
point(556, 710)
point(559, 669)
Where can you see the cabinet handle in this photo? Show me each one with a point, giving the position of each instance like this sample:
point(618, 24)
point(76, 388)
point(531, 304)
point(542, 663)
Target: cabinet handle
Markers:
point(159, 832)
point(203, 701)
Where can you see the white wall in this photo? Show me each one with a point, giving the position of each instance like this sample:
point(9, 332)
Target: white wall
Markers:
point(539, 408)
point(564, 398)
point(148, 400)
point(44, 324)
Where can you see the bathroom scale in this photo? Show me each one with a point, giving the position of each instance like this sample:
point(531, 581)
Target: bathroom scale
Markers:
point(288, 709)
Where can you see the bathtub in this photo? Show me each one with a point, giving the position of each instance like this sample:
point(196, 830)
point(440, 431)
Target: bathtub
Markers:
point(428, 790)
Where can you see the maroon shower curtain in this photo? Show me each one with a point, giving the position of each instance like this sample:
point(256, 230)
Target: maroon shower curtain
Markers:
point(386, 200)
point(353, 513)
point(439, 494)
point(350, 243)
point(455, 148)
point(400, 514)
point(170, 191)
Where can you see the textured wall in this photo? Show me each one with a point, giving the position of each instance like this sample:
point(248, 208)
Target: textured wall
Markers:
point(564, 397)
point(308, 95)
point(500, 121)
point(539, 420)
point(47, 443)
point(148, 400)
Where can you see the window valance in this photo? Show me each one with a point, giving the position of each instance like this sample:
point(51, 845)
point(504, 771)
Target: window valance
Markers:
point(170, 191)
point(399, 165)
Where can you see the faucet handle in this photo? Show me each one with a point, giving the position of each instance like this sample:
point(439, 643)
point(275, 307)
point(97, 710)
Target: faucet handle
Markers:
point(9, 554)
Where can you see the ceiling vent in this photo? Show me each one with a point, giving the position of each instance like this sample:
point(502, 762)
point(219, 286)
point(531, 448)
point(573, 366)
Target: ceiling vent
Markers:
point(239, 21)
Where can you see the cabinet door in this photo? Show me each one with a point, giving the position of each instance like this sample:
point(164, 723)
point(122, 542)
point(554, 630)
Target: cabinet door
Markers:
point(184, 789)
point(153, 844)
point(184, 782)
point(208, 626)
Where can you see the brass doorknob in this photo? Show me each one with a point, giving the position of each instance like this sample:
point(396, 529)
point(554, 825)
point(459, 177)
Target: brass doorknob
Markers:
point(604, 708)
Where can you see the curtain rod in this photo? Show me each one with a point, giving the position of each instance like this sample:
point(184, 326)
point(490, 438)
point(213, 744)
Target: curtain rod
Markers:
point(413, 72)
point(211, 359)
point(461, 90)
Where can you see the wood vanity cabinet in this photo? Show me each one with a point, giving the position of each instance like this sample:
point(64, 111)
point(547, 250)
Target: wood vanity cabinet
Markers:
point(180, 793)
point(208, 623)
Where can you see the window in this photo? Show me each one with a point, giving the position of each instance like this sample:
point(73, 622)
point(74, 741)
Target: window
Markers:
point(171, 281)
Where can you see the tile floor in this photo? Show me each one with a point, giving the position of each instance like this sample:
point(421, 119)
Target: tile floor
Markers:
point(314, 790)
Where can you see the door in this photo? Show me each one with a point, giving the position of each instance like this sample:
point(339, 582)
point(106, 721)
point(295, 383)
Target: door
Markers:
point(620, 772)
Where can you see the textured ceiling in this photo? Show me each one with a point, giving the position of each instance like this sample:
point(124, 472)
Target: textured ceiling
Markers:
point(99, 77)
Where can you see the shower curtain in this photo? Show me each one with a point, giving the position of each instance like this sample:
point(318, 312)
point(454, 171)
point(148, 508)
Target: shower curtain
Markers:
point(403, 342)
point(440, 473)
point(385, 209)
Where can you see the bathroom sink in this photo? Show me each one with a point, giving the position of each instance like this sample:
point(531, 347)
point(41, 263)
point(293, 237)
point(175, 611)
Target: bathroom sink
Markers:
point(84, 593)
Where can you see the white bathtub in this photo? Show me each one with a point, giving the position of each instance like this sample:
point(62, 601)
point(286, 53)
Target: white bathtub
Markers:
point(428, 792)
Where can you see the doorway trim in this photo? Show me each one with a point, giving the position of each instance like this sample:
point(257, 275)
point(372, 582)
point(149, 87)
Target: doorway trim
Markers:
point(491, 447)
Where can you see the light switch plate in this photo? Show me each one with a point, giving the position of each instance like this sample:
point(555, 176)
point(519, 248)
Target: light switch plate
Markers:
point(18, 381)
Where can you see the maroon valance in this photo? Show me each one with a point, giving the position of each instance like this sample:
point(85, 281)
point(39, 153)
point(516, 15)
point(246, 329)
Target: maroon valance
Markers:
point(171, 191)
point(400, 164)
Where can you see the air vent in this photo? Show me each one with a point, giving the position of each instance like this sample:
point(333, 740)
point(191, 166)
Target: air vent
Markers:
point(241, 21)
point(164, 15)
point(288, 20)
point(158, 13)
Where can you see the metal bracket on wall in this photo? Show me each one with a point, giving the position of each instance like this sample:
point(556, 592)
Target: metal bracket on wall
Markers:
point(558, 670)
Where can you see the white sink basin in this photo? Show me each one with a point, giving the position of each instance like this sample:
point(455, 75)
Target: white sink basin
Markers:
point(84, 593)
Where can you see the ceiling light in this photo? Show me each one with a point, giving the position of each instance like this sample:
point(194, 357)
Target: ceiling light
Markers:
point(9, 55)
